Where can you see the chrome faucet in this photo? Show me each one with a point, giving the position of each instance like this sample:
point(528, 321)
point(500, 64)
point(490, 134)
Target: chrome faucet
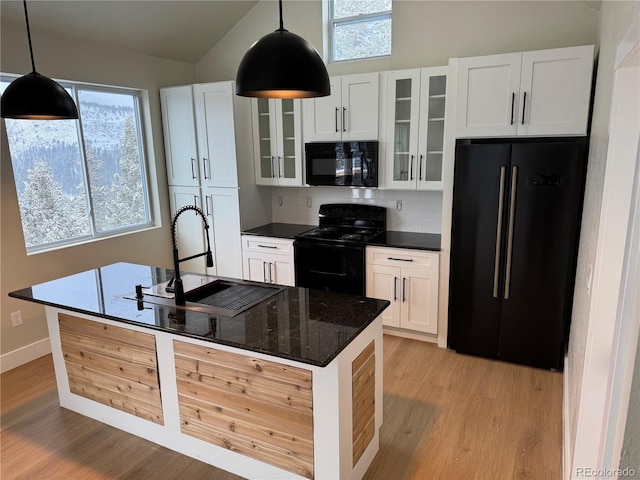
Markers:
point(177, 281)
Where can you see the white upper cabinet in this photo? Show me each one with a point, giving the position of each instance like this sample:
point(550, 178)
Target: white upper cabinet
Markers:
point(216, 134)
point(539, 93)
point(349, 113)
point(414, 128)
point(277, 141)
point(178, 123)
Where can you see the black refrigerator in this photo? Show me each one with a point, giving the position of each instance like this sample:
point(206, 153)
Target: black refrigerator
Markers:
point(516, 217)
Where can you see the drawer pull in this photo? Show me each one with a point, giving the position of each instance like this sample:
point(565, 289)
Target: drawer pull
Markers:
point(400, 259)
point(267, 246)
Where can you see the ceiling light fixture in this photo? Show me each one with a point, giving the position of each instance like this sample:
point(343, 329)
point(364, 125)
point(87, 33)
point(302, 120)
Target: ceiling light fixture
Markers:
point(282, 65)
point(36, 97)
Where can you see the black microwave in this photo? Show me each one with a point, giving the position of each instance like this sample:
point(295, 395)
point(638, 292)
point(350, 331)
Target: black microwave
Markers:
point(345, 164)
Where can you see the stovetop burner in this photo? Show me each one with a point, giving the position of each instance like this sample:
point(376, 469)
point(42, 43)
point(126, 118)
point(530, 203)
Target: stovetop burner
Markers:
point(343, 223)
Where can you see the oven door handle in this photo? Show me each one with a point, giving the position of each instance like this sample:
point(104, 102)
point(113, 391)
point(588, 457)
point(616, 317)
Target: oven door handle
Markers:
point(395, 289)
point(328, 273)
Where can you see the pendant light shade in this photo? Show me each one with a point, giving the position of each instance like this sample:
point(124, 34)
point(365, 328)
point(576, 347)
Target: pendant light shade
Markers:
point(36, 97)
point(282, 65)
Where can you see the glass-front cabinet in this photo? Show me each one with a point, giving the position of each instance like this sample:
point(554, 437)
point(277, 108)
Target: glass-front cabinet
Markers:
point(415, 128)
point(277, 136)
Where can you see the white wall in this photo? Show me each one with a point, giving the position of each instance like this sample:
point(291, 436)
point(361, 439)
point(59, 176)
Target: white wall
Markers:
point(425, 33)
point(89, 63)
point(615, 19)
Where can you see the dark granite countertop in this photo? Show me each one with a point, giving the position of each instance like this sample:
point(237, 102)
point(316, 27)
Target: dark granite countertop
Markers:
point(279, 230)
point(418, 241)
point(305, 325)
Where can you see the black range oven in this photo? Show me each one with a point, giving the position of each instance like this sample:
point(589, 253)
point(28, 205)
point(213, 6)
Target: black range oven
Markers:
point(332, 256)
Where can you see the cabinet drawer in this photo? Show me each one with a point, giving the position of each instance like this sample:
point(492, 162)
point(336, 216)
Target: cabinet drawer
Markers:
point(253, 243)
point(402, 257)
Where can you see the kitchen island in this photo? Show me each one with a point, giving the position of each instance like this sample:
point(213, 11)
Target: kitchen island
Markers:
point(290, 387)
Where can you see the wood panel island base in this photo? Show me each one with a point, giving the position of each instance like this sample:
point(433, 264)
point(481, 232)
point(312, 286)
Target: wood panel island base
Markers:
point(289, 389)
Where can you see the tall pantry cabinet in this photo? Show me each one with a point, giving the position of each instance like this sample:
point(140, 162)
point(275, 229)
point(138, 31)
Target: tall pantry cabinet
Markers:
point(202, 169)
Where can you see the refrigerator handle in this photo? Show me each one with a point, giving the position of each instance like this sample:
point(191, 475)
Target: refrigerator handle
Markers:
point(496, 268)
point(512, 212)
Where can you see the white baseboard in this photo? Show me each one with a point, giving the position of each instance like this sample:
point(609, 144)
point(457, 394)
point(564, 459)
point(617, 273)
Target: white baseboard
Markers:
point(24, 354)
point(400, 332)
point(566, 426)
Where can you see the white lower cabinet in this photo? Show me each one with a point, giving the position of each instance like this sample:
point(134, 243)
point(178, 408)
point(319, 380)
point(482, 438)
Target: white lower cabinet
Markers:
point(268, 260)
point(409, 280)
point(222, 209)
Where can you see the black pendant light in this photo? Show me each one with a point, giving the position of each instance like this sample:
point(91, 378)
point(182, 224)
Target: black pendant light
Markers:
point(36, 97)
point(282, 65)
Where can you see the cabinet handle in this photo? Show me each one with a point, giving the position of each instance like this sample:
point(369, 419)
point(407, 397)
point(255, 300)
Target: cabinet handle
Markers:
point(344, 121)
point(400, 259)
point(404, 288)
point(279, 170)
point(395, 289)
point(264, 272)
point(193, 172)
point(512, 213)
point(411, 169)
point(195, 200)
point(270, 269)
point(524, 106)
point(513, 103)
point(420, 170)
point(204, 166)
point(337, 120)
point(207, 199)
point(266, 246)
point(273, 168)
point(496, 268)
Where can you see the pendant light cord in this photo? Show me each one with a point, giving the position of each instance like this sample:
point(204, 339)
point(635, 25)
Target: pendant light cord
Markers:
point(26, 18)
point(281, 22)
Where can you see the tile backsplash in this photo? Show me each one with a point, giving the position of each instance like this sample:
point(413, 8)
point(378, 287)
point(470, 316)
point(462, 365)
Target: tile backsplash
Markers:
point(407, 211)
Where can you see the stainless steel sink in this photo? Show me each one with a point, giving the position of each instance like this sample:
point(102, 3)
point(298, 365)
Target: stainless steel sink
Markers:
point(231, 296)
point(225, 298)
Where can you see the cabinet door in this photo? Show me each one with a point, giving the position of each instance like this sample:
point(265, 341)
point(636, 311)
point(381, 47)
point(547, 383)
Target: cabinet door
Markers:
point(433, 85)
point(420, 298)
point(322, 115)
point(360, 106)
point(189, 228)
point(487, 102)
point(223, 213)
point(254, 267)
point(288, 123)
point(384, 282)
point(555, 91)
point(403, 106)
point(264, 136)
point(216, 134)
point(179, 128)
point(282, 270)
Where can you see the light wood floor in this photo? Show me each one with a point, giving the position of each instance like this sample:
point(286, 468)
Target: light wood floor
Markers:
point(446, 416)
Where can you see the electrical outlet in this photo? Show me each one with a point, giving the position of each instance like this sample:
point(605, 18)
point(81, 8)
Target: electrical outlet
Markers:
point(399, 205)
point(279, 201)
point(16, 318)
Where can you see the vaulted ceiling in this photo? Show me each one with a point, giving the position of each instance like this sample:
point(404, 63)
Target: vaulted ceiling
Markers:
point(180, 30)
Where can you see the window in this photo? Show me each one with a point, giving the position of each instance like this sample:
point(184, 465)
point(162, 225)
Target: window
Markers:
point(81, 179)
point(359, 29)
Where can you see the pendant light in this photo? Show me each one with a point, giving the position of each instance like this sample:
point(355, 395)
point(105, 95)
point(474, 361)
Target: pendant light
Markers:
point(36, 97)
point(282, 65)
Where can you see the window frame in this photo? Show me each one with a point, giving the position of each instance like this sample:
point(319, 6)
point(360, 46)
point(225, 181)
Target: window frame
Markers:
point(140, 97)
point(363, 18)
